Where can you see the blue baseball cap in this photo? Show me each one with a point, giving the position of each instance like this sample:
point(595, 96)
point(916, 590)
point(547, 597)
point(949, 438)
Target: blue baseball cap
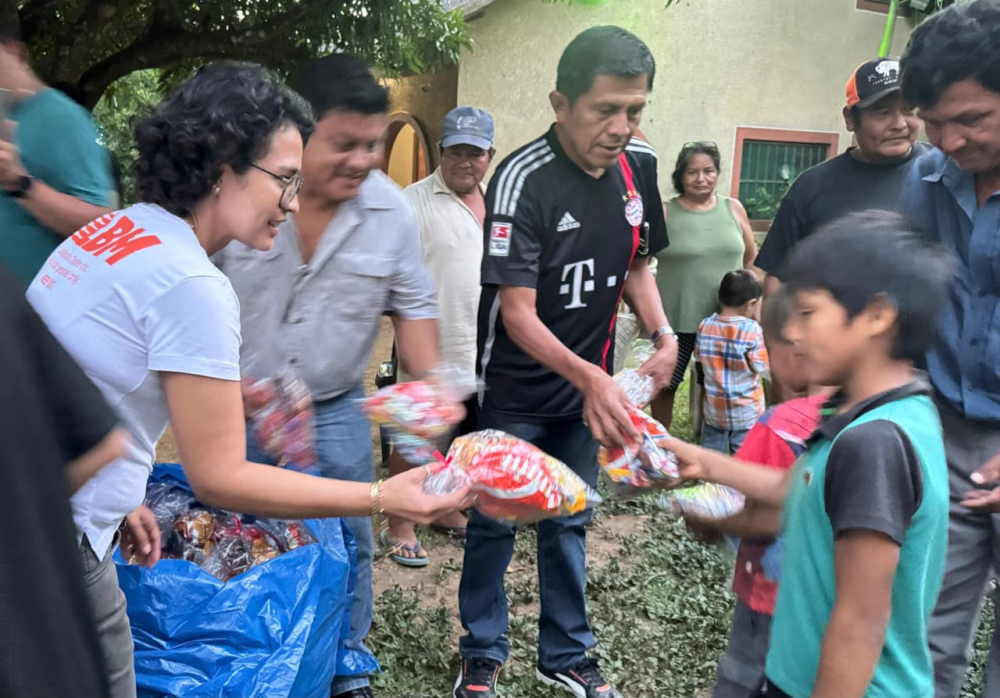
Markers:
point(468, 126)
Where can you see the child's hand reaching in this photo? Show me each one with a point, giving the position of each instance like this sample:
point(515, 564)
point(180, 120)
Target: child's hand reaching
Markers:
point(703, 529)
point(691, 463)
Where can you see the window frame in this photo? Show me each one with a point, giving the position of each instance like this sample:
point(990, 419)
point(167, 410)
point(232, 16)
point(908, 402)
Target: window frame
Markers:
point(882, 7)
point(830, 139)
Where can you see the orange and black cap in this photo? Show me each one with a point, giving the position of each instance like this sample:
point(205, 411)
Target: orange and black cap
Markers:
point(872, 81)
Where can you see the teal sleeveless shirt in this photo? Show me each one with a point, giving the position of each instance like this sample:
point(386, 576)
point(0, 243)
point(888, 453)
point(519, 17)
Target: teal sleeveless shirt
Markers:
point(808, 585)
point(704, 247)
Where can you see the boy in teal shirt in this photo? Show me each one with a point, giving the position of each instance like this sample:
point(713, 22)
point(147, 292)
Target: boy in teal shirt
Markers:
point(866, 506)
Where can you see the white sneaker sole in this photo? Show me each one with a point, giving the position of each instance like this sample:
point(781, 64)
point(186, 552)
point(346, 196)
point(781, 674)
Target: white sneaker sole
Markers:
point(569, 688)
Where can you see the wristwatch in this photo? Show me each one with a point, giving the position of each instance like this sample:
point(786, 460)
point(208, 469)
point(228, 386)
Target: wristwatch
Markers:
point(661, 333)
point(22, 187)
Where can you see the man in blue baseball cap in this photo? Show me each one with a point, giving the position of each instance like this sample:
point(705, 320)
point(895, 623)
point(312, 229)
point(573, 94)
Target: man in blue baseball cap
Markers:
point(450, 207)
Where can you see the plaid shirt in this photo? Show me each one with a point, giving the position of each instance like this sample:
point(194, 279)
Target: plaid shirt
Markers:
point(732, 353)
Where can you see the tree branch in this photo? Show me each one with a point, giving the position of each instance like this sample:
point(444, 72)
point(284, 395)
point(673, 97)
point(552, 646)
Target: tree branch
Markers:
point(164, 47)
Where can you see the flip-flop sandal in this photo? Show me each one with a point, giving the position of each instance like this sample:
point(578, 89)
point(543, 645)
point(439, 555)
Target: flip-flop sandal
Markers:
point(456, 531)
point(414, 561)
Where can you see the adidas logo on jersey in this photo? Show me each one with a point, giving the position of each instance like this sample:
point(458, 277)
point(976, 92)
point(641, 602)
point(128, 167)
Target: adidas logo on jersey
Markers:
point(567, 223)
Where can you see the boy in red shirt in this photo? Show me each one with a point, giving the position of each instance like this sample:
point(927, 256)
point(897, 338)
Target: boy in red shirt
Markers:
point(775, 441)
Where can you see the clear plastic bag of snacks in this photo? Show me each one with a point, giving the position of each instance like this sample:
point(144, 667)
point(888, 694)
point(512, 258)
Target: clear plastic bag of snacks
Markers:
point(638, 387)
point(284, 423)
point(513, 480)
point(418, 414)
point(706, 499)
point(643, 467)
point(167, 502)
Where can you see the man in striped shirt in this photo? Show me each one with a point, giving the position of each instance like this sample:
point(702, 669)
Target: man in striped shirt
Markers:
point(571, 219)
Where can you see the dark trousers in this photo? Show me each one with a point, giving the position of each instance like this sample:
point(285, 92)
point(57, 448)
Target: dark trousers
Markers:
point(564, 631)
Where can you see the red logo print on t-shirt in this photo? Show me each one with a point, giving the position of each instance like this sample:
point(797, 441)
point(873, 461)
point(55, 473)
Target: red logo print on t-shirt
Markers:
point(116, 241)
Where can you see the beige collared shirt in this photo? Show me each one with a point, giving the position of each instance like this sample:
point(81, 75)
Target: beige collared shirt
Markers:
point(323, 317)
point(452, 241)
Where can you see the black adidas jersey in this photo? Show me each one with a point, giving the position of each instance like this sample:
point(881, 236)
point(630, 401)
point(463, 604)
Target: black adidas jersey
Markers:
point(552, 227)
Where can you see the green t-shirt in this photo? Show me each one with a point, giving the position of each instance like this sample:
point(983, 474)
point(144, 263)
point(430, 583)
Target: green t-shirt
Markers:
point(704, 247)
point(58, 145)
point(878, 467)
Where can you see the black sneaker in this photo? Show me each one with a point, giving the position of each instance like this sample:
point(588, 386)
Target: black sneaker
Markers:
point(584, 681)
point(477, 679)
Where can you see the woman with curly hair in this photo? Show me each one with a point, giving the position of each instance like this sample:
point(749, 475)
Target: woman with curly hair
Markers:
point(135, 299)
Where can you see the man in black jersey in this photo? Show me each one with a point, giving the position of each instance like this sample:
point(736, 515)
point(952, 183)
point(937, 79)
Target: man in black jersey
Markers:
point(571, 219)
point(867, 176)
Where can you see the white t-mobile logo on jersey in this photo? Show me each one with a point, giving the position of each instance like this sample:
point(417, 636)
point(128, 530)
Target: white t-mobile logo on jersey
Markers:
point(578, 284)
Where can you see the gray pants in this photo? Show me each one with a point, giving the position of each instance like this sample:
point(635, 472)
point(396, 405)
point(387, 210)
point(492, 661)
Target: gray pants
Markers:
point(107, 606)
point(741, 669)
point(973, 559)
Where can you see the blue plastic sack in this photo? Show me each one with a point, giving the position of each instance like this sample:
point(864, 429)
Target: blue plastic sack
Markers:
point(772, 559)
point(276, 630)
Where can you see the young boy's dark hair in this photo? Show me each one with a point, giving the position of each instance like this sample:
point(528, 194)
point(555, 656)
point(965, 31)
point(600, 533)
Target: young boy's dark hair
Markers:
point(872, 256)
point(739, 288)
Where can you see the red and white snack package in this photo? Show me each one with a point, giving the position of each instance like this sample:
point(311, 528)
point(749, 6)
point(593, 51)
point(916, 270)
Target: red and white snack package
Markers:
point(513, 480)
point(648, 465)
point(420, 413)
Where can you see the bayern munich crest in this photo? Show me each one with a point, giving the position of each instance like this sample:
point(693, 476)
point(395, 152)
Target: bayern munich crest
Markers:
point(633, 210)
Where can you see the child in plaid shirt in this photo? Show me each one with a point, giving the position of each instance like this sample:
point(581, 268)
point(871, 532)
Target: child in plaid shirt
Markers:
point(730, 347)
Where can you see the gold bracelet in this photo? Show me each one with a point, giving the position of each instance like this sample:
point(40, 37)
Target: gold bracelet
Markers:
point(378, 507)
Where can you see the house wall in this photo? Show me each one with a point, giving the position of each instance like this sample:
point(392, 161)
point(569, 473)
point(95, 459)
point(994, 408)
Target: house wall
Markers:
point(720, 64)
point(427, 98)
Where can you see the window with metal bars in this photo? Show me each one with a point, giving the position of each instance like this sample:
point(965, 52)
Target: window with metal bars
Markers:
point(769, 168)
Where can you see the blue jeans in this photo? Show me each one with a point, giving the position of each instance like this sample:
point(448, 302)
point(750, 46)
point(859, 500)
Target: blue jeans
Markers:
point(564, 632)
point(722, 440)
point(344, 451)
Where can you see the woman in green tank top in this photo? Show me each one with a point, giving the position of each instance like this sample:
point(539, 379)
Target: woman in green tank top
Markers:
point(710, 236)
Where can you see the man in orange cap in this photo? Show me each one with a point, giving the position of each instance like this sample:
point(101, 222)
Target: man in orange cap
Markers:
point(868, 175)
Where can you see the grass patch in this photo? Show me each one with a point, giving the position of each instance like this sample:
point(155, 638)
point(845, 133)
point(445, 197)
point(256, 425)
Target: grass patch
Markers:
point(660, 606)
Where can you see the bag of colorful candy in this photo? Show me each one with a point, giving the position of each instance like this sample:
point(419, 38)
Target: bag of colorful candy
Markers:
point(276, 628)
point(706, 499)
point(283, 420)
point(645, 466)
point(512, 480)
point(222, 543)
point(418, 414)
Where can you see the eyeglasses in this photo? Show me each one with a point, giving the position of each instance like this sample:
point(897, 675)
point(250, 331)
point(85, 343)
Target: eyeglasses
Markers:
point(292, 185)
point(704, 144)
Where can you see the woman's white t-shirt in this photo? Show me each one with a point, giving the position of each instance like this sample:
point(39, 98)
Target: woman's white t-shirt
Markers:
point(131, 295)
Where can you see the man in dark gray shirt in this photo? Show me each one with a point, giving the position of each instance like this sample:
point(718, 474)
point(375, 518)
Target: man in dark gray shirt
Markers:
point(867, 176)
